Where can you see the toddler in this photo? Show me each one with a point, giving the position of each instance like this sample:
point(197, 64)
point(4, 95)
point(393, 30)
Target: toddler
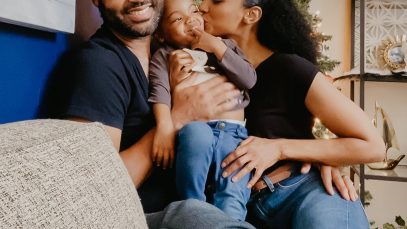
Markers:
point(200, 144)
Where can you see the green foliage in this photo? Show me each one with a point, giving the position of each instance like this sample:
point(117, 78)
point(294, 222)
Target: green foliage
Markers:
point(368, 197)
point(324, 62)
point(400, 221)
point(388, 226)
point(401, 224)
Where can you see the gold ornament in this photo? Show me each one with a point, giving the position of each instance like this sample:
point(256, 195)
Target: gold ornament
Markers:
point(393, 53)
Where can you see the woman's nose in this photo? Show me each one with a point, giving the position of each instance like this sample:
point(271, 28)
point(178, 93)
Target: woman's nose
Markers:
point(203, 7)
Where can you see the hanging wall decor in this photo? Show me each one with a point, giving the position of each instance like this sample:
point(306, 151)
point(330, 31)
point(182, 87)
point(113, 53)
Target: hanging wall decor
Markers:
point(385, 20)
point(49, 15)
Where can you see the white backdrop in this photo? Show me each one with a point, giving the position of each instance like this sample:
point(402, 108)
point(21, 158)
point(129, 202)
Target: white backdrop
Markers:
point(49, 15)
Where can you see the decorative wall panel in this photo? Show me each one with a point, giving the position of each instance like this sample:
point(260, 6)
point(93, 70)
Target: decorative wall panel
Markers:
point(49, 15)
point(384, 19)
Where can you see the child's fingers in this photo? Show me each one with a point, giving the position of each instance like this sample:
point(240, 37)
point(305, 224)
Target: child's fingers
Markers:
point(165, 159)
point(196, 31)
point(159, 158)
point(154, 154)
point(172, 158)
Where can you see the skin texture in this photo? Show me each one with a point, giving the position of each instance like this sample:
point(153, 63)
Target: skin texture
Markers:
point(354, 145)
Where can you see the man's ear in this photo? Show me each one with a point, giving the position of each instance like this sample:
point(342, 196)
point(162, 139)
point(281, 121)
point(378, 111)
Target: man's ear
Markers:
point(252, 15)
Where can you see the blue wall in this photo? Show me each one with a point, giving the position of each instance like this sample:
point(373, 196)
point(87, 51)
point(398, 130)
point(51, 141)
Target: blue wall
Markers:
point(27, 57)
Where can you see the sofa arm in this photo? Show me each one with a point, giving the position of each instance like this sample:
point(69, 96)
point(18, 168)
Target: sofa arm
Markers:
point(64, 174)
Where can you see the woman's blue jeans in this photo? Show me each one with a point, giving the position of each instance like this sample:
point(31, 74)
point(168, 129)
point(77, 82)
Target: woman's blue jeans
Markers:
point(201, 145)
point(302, 202)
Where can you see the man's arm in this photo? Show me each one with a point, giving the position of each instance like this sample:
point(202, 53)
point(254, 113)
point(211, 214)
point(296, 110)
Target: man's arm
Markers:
point(136, 158)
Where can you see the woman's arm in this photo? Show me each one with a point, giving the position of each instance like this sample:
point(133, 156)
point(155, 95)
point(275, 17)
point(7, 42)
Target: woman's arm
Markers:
point(358, 141)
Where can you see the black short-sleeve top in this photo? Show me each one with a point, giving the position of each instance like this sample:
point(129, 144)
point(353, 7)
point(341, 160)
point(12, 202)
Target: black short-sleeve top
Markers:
point(106, 83)
point(277, 108)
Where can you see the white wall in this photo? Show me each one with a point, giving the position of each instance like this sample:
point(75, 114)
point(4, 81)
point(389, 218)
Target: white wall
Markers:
point(389, 198)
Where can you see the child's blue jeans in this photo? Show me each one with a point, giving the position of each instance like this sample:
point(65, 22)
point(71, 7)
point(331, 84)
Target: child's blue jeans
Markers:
point(200, 145)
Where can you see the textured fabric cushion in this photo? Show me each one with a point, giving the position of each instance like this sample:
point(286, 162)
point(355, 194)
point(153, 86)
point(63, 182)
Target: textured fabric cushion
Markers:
point(63, 174)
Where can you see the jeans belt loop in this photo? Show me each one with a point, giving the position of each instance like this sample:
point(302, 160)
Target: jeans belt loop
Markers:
point(268, 182)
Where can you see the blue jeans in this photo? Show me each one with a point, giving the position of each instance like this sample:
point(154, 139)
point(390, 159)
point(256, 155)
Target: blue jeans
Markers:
point(301, 201)
point(193, 214)
point(201, 145)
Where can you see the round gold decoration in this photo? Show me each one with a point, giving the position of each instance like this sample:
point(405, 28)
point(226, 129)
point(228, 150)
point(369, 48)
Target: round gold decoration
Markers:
point(393, 53)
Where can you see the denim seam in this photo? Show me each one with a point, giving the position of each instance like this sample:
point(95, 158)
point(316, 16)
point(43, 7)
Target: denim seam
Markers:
point(304, 179)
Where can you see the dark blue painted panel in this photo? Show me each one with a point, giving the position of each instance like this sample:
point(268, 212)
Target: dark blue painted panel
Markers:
point(27, 57)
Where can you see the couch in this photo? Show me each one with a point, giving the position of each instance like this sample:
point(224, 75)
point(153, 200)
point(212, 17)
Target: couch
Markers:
point(64, 174)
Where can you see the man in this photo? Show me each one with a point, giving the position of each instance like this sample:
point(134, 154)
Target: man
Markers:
point(105, 80)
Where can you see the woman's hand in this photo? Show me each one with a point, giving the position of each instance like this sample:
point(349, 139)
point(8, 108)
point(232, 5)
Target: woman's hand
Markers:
point(252, 154)
point(332, 175)
point(343, 183)
point(203, 101)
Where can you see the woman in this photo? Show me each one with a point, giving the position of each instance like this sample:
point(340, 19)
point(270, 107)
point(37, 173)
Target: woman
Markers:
point(288, 94)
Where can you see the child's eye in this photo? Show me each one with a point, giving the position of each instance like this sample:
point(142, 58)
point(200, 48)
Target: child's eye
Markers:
point(178, 19)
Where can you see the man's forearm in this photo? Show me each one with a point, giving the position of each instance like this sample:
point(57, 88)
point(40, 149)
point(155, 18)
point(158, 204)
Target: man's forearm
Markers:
point(137, 159)
point(138, 166)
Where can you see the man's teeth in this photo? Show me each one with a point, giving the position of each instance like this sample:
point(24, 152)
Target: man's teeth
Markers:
point(140, 12)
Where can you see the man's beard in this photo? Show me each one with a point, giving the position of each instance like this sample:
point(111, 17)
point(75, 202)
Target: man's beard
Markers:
point(128, 29)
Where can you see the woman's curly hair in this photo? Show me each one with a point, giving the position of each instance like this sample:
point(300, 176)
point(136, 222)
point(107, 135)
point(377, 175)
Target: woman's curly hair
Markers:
point(283, 28)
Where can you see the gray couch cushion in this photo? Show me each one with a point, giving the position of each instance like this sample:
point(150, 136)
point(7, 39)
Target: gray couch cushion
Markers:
point(63, 174)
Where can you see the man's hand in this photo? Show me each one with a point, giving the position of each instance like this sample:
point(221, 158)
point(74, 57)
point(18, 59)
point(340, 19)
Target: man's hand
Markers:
point(197, 102)
point(203, 101)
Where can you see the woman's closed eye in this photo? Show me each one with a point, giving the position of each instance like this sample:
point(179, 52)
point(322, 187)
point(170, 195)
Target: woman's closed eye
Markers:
point(217, 1)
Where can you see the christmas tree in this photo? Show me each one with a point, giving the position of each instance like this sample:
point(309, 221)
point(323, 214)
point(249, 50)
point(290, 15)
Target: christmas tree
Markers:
point(324, 62)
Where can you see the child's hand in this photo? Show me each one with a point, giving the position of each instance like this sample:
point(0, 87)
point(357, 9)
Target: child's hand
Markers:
point(208, 43)
point(163, 146)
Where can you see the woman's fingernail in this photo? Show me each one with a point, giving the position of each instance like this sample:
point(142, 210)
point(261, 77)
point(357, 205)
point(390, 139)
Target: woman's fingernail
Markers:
point(234, 179)
point(223, 165)
point(225, 174)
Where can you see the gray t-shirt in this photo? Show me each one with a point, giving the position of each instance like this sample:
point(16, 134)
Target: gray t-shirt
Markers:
point(233, 65)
